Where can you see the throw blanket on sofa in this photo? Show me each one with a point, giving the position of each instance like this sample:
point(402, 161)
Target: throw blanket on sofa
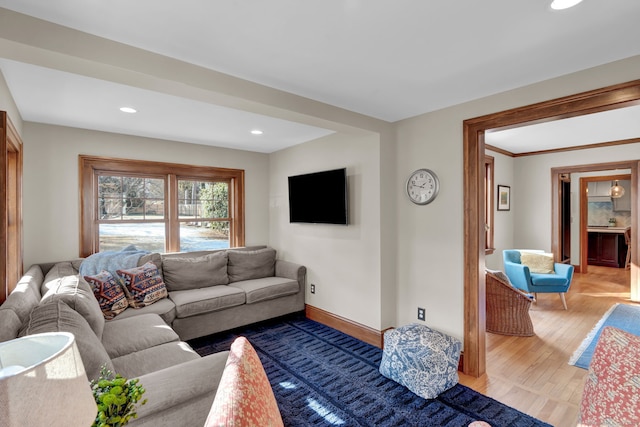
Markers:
point(111, 261)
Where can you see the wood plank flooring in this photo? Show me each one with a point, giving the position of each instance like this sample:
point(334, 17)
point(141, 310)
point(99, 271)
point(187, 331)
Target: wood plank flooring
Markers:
point(532, 374)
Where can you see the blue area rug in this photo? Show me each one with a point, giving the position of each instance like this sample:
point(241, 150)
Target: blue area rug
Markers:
point(621, 316)
point(322, 377)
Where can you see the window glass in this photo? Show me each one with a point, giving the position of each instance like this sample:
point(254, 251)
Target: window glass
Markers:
point(145, 236)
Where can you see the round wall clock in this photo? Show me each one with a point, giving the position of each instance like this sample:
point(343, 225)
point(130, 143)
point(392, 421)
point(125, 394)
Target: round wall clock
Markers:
point(423, 186)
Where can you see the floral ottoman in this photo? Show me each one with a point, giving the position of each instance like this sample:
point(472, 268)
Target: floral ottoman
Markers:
point(422, 359)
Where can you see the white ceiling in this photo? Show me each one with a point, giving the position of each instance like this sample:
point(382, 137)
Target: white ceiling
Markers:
point(386, 59)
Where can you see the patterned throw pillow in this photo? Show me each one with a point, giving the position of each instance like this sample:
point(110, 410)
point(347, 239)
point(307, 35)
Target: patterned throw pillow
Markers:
point(611, 395)
point(244, 397)
point(143, 285)
point(109, 294)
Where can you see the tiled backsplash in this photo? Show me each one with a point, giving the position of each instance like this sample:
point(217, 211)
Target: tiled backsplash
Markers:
point(600, 212)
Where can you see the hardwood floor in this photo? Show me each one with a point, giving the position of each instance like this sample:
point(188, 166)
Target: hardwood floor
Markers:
point(532, 374)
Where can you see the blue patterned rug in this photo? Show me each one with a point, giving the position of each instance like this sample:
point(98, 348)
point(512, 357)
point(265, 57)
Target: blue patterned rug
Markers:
point(322, 377)
point(621, 316)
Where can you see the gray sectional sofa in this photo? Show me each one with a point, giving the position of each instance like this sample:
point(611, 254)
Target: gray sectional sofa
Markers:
point(208, 292)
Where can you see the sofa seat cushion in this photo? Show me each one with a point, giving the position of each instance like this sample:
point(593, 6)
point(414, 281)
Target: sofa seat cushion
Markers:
point(197, 301)
point(56, 316)
point(246, 265)
point(78, 295)
point(144, 331)
point(267, 288)
point(184, 273)
point(153, 359)
point(164, 308)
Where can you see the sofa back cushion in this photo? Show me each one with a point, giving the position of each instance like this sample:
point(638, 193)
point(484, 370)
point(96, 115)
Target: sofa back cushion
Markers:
point(78, 295)
point(56, 316)
point(246, 265)
point(184, 273)
point(15, 310)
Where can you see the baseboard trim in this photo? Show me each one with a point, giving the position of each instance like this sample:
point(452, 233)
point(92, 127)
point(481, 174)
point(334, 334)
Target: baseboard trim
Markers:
point(349, 327)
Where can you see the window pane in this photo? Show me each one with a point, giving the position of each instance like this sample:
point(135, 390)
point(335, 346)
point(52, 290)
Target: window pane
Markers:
point(198, 199)
point(114, 237)
point(126, 198)
point(198, 236)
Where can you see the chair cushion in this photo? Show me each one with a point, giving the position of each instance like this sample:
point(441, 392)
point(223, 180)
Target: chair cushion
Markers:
point(56, 316)
point(267, 288)
point(549, 280)
point(611, 395)
point(422, 359)
point(244, 397)
point(109, 293)
point(143, 285)
point(198, 301)
point(246, 265)
point(541, 263)
point(192, 273)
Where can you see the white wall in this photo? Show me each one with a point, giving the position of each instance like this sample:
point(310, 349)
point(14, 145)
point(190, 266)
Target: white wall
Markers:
point(51, 196)
point(533, 178)
point(343, 262)
point(430, 238)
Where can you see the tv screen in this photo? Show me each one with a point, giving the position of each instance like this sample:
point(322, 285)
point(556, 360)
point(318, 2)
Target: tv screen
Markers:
point(319, 198)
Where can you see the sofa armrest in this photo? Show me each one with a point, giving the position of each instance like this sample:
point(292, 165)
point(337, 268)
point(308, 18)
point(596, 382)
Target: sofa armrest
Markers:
point(290, 270)
point(181, 383)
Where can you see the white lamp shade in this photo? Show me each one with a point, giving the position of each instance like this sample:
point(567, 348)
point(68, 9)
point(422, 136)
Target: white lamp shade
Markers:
point(43, 382)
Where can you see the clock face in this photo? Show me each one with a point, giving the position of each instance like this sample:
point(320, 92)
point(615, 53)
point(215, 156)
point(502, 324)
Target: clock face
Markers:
point(422, 186)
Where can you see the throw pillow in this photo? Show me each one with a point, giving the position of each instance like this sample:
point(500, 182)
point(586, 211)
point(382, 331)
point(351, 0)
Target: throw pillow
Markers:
point(56, 316)
point(244, 397)
point(109, 294)
point(143, 285)
point(611, 395)
point(247, 265)
point(541, 263)
point(184, 273)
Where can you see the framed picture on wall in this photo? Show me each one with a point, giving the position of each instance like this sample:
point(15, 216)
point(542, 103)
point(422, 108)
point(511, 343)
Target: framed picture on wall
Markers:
point(504, 198)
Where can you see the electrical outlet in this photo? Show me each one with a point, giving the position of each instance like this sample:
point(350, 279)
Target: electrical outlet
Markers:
point(313, 288)
point(421, 314)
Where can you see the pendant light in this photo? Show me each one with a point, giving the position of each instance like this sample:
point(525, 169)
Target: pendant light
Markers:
point(616, 191)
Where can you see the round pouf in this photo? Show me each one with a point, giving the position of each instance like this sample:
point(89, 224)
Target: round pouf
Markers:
point(422, 359)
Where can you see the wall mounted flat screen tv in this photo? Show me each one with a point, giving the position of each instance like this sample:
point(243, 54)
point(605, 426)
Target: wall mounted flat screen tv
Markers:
point(319, 197)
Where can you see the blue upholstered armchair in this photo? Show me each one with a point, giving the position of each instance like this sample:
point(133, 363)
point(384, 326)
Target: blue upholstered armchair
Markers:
point(521, 277)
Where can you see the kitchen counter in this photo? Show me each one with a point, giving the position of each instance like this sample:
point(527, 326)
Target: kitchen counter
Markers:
point(607, 229)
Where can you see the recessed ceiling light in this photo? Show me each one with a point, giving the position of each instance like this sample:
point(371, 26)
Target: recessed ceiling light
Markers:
point(563, 4)
point(257, 132)
point(128, 110)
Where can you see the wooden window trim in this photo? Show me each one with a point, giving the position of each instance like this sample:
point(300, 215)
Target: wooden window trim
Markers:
point(90, 166)
point(489, 244)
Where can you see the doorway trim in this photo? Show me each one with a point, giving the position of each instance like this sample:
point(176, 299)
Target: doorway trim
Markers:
point(604, 99)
